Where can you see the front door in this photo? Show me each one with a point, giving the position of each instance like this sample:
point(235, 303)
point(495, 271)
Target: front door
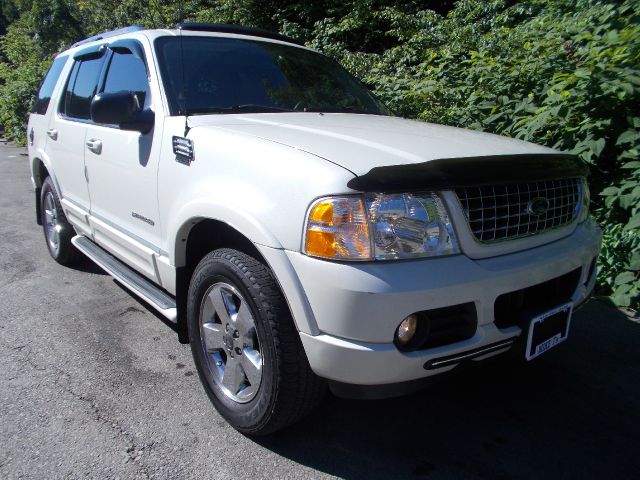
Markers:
point(122, 169)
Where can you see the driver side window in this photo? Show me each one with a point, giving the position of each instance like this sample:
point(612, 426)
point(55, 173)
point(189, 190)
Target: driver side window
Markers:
point(128, 73)
point(81, 87)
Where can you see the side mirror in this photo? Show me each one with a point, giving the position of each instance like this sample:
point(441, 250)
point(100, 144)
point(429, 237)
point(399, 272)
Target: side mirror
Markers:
point(122, 109)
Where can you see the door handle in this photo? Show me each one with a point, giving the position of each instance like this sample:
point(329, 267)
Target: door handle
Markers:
point(52, 133)
point(95, 145)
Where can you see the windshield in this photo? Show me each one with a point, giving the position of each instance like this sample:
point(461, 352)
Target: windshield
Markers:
point(228, 75)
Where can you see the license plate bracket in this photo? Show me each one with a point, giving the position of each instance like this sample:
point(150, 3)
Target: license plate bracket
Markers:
point(548, 330)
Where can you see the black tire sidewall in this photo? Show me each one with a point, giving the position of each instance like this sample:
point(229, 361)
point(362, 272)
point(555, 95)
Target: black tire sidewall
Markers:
point(64, 254)
point(248, 416)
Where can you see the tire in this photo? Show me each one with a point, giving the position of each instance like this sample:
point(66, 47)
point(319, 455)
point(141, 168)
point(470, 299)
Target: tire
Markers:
point(58, 232)
point(230, 287)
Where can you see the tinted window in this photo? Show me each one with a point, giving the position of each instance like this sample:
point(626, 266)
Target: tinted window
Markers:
point(81, 88)
point(46, 87)
point(66, 97)
point(127, 73)
point(224, 75)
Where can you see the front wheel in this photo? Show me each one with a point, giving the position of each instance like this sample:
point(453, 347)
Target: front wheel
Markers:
point(245, 346)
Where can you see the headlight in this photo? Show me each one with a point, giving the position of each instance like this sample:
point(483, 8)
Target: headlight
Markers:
point(585, 200)
point(380, 227)
point(407, 225)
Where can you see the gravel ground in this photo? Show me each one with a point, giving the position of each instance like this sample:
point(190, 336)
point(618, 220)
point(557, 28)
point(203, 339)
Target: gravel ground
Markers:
point(93, 384)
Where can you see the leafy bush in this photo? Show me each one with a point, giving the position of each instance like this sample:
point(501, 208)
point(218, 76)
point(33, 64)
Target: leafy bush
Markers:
point(19, 77)
point(563, 73)
point(36, 30)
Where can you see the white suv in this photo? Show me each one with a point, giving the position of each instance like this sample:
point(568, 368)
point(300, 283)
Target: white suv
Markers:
point(252, 191)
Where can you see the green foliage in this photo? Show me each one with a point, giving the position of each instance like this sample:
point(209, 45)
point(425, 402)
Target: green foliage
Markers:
point(620, 264)
point(38, 29)
point(565, 74)
point(562, 73)
point(19, 76)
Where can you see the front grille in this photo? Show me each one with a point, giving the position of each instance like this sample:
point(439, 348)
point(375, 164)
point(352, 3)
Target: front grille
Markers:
point(514, 210)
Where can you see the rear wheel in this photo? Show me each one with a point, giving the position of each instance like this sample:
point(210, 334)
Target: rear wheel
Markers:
point(245, 346)
point(58, 232)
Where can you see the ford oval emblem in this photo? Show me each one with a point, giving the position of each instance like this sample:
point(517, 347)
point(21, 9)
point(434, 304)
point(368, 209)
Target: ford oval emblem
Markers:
point(538, 206)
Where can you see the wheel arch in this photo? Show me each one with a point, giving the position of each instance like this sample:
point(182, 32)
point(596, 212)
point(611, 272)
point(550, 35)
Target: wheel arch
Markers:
point(195, 239)
point(202, 235)
point(39, 173)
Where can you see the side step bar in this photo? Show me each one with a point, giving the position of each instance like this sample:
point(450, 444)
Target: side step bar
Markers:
point(145, 289)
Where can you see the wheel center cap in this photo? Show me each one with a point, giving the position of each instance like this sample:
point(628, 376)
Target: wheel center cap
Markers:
point(227, 339)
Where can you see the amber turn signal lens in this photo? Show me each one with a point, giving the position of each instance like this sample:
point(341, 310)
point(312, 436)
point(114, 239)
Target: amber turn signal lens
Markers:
point(322, 212)
point(321, 244)
point(338, 228)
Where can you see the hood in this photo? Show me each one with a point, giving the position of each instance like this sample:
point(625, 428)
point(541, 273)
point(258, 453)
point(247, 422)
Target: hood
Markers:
point(360, 143)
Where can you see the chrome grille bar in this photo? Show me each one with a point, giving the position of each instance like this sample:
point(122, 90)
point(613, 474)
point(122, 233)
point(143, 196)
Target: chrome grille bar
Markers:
point(507, 211)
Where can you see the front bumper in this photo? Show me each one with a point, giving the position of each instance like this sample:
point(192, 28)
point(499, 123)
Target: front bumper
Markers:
point(351, 311)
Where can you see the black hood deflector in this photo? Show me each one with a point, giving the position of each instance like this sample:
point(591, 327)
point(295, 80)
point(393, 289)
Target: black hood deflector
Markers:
point(449, 173)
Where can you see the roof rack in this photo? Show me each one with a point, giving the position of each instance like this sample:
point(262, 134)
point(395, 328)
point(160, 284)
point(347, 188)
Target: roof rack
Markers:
point(238, 29)
point(110, 33)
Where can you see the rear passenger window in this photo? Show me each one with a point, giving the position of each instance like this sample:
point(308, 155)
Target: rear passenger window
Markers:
point(48, 84)
point(81, 88)
point(127, 73)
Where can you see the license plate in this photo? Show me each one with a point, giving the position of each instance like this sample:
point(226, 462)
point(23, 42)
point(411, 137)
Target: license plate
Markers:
point(548, 330)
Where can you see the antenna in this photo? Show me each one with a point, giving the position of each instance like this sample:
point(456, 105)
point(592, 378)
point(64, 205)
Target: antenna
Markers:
point(183, 87)
point(183, 79)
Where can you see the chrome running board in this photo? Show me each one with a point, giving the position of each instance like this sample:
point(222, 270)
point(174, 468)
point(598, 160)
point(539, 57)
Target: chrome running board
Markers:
point(139, 285)
point(468, 355)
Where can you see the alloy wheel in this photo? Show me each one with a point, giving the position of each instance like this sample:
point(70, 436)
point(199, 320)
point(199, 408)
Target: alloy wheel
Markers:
point(230, 344)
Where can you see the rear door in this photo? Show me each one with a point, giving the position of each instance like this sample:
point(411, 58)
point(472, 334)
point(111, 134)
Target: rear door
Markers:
point(66, 136)
point(40, 113)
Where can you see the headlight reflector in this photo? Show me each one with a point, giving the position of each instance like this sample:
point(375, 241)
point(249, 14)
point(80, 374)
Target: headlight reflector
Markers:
point(379, 226)
point(409, 225)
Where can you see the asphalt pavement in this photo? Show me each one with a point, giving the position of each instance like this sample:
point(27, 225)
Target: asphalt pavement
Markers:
point(93, 384)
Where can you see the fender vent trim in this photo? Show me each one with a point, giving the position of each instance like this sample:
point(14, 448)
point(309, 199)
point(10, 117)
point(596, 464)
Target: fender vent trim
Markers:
point(183, 148)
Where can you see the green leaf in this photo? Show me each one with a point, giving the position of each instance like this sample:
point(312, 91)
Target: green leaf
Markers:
point(621, 299)
point(609, 191)
point(633, 223)
point(624, 277)
point(582, 73)
point(596, 146)
point(627, 200)
point(630, 136)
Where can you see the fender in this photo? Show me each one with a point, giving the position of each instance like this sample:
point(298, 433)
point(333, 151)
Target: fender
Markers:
point(190, 213)
point(41, 156)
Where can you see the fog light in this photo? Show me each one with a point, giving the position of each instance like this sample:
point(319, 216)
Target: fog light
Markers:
point(407, 330)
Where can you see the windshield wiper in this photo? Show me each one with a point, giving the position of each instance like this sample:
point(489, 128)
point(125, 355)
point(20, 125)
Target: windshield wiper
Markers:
point(244, 108)
point(271, 108)
point(342, 110)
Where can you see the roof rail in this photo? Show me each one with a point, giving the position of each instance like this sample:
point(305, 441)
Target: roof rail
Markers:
point(238, 29)
point(110, 33)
